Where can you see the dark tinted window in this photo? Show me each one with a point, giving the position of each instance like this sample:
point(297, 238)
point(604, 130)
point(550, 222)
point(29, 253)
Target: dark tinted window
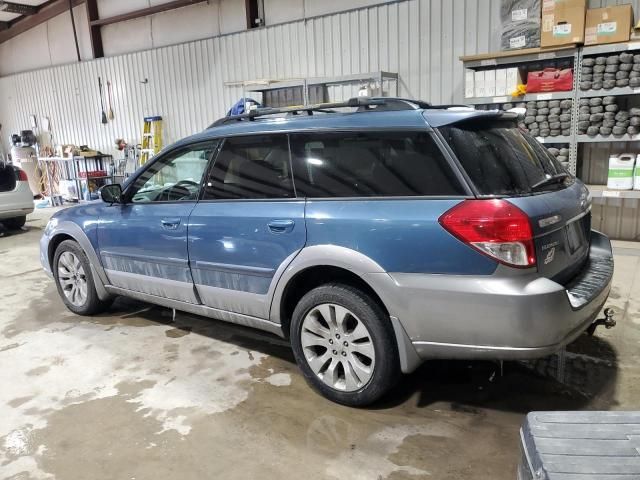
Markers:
point(500, 158)
point(370, 164)
point(251, 167)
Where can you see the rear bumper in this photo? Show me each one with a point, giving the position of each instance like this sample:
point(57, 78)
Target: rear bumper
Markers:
point(17, 202)
point(508, 315)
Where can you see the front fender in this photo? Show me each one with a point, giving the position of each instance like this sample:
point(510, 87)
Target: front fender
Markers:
point(73, 230)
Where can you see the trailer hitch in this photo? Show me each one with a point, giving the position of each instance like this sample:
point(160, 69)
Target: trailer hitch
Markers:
point(608, 321)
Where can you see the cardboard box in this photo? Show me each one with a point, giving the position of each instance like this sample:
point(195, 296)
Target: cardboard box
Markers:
point(478, 84)
point(489, 83)
point(514, 78)
point(608, 25)
point(469, 83)
point(562, 22)
point(520, 24)
point(501, 82)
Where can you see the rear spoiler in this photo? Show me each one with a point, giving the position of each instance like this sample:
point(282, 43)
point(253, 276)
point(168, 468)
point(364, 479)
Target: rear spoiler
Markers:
point(450, 117)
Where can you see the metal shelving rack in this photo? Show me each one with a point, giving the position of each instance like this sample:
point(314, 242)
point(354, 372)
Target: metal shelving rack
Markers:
point(608, 139)
point(527, 56)
point(519, 56)
point(613, 92)
point(526, 98)
point(76, 169)
point(378, 78)
point(556, 139)
point(601, 191)
point(573, 140)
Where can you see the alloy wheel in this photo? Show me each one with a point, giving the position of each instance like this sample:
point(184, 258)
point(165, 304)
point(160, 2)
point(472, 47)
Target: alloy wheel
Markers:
point(338, 347)
point(72, 278)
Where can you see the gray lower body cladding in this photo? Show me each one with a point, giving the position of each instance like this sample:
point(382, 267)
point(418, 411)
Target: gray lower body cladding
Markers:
point(508, 315)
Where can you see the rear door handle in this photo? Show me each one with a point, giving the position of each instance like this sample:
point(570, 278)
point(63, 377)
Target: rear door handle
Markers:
point(170, 223)
point(281, 226)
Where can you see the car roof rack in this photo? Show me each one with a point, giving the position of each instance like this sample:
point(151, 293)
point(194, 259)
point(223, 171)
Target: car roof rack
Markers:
point(361, 103)
point(448, 106)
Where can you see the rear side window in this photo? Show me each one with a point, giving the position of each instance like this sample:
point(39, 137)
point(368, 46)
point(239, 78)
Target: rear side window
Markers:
point(500, 159)
point(251, 167)
point(371, 164)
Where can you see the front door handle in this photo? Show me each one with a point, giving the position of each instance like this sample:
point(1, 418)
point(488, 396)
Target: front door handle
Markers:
point(281, 226)
point(170, 223)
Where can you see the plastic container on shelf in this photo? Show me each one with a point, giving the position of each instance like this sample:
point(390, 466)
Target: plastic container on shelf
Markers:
point(636, 174)
point(621, 170)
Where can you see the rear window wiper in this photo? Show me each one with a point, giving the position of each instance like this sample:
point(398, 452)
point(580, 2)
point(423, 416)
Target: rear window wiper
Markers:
point(558, 178)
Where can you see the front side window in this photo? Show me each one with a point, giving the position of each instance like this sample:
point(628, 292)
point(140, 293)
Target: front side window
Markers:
point(349, 164)
point(251, 167)
point(174, 178)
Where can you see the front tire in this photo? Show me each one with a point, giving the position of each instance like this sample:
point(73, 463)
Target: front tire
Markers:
point(72, 272)
point(15, 223)
point(344, 344)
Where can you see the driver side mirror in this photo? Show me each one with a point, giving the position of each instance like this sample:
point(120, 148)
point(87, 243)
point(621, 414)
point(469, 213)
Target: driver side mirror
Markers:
point(111, 193)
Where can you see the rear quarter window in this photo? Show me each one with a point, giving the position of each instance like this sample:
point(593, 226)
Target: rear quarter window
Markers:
point(368, 164)
point(500, 159)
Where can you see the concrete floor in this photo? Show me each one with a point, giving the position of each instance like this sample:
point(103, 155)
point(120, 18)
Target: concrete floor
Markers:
point(136, 395)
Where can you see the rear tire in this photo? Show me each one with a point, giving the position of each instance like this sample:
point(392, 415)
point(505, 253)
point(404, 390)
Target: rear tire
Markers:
point(344, 344)
point(15, 223)
point(74, 279)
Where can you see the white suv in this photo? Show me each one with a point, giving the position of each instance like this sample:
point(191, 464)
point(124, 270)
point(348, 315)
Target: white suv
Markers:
point(16, 199)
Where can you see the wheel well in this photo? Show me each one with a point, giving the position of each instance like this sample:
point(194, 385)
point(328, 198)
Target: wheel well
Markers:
point(53, 245)
point(313, 277)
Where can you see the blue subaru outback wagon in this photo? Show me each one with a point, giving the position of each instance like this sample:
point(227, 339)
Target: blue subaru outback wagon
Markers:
point(373, 234)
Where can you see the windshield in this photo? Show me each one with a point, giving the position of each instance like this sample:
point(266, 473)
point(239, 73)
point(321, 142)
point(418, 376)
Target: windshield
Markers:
point(501, 159)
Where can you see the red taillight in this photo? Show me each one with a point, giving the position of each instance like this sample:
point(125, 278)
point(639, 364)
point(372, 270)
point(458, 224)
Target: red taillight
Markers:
point(22, 175)
point(496, 228)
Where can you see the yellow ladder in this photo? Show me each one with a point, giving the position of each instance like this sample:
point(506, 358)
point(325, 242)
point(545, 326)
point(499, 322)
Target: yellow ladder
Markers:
point(151, 138)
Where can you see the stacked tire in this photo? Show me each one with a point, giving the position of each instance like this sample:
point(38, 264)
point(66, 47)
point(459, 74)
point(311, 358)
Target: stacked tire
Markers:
point(548, 118)
point(603, 116)
point(561, 154)
point(509, 106)
point(610, 71)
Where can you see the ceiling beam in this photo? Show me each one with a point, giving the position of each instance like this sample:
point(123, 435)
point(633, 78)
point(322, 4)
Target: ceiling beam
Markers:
point(46, 12)
point(53, 8)
point(19, 8)
point(98, 22)
point(95, 36)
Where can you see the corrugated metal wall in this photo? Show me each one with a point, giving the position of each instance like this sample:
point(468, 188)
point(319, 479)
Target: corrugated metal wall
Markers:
point(419, 39)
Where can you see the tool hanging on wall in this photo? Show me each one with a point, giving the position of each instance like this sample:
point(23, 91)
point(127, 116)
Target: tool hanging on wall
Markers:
point(151, 138)
point(109, 97)
point(104, 114)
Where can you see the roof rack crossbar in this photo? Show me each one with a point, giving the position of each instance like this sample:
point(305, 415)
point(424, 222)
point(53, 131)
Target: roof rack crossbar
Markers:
point(309, 109)
point(451, 105)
